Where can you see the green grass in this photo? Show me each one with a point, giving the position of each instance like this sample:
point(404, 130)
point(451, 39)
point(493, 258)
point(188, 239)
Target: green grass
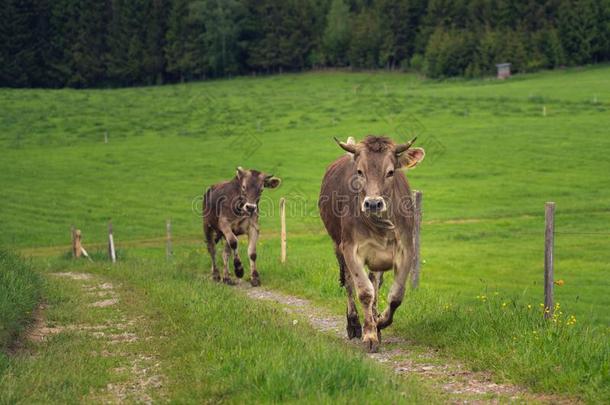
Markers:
point(210, 346)
point(492, 161)
point(19, 294)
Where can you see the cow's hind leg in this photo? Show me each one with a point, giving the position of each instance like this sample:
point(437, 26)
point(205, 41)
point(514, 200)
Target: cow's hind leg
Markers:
point(354, 328)
point(211, 244)
point(226, 256)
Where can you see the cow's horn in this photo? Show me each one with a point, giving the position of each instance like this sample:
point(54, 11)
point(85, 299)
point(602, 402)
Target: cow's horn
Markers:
point(346, 146)
point(404, 146)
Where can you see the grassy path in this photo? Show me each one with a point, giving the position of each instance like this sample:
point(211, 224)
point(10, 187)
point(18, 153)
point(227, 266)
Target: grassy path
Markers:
point(89, 342)
point(141, 331)
point(138, 335)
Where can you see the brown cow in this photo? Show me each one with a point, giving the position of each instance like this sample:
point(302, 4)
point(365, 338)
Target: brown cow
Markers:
point(366, 206)
point(230, 209)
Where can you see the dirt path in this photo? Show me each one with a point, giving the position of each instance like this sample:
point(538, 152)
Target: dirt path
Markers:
point(139, 373)
point(459, 383)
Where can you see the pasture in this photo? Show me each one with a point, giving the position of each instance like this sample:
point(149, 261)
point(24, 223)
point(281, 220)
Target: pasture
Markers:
point(496, 151)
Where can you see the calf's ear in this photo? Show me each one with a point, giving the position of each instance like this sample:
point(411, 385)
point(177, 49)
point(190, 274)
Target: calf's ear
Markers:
point(411, 158)
point(272, 182)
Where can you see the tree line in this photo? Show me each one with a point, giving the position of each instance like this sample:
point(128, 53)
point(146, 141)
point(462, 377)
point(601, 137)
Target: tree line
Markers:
point(97, 43)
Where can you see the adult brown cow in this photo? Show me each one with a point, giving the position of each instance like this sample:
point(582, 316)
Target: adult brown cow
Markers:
point(230, 209)
point(366, 206)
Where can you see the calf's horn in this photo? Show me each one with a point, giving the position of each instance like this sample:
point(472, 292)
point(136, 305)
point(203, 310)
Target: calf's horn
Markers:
point(403, 146)
point(348, 147)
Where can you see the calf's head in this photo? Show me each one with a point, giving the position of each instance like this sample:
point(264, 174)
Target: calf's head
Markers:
point(376, 160)
point(251, 184)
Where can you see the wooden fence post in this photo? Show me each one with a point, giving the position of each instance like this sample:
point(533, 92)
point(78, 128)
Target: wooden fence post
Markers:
point(417, 213)
point(77, 246)
point(549, 236)
point(283, 221)
point(111, 251)
point(72, 233)
point(168, 239)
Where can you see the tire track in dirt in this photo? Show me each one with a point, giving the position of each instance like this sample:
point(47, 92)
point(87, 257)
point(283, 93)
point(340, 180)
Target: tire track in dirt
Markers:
point(461, 384)
point(118, 333)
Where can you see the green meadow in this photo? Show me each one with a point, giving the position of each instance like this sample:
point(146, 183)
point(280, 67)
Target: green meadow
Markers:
point(496, 151)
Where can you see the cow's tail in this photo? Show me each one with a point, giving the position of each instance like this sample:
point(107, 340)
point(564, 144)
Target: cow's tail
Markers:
point(342, 265)
point(206, 198)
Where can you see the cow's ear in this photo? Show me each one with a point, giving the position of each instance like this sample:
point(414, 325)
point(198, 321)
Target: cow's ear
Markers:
point(411, 158)
point(239, 172)
point(272, 182)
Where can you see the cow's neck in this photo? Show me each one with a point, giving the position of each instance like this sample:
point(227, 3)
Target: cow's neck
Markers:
point(378, 223)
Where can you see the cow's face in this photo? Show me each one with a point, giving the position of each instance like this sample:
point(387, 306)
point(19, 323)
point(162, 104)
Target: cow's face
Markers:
point(376, 160)
point(251, 184)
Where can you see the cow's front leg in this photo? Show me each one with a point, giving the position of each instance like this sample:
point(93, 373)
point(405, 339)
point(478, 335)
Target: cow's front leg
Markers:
point(231, 239)
point(366, 294)
point(397, 292)
point(226, 256)
point(376, 278)
point(252, 240)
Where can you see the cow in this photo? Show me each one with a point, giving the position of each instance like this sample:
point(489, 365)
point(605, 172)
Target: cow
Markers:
point(231, 209)
point(366, 206)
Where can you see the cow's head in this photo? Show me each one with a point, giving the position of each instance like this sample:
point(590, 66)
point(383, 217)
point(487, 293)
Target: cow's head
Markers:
point(376, 160)
point(251, 184)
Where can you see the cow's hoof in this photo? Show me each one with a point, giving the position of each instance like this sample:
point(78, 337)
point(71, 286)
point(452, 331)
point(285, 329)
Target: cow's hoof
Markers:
point(354, 330)
point(216, 277)
point(239, 269)
point(371, 343)
point(255, 282)
point(228, 281)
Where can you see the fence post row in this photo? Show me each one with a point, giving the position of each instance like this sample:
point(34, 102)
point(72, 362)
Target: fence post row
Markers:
point(111, 251)
point(283, 222)
point(417, 214)
point(549, 236)
point(168, 239)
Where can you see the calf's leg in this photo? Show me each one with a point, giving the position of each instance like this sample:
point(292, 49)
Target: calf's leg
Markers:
point(226, 256)
point(211, 245)
point(231, 239)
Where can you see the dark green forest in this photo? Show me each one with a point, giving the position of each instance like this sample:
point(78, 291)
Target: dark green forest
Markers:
point(101, 43)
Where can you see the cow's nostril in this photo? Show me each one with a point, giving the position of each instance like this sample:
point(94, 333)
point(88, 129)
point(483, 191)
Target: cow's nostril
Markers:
point(367, 204)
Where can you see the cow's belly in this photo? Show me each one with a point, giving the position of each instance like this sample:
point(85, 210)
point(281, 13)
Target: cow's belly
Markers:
point(377, 257)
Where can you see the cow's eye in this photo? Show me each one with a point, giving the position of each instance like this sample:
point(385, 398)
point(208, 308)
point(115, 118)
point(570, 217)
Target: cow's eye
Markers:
point(390, 173)
point(360, 173)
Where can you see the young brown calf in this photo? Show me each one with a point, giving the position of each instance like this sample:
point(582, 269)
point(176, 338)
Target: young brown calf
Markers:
point(230, 209)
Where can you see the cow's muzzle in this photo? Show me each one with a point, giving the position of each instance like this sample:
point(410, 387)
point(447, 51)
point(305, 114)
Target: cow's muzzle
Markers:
point(373, 204)
point(250, 208)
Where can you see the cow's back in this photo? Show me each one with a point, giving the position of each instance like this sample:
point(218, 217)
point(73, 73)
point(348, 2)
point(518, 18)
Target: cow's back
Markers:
point(214, 197)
